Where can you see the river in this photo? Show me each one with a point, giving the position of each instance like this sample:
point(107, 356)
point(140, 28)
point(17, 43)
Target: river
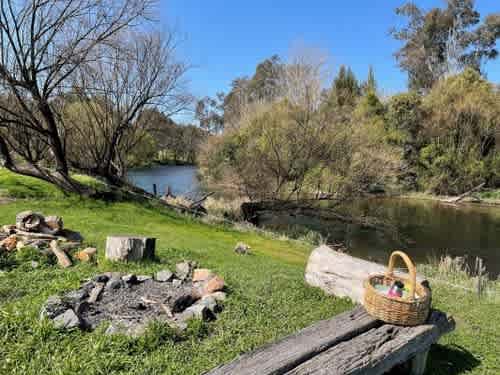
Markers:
point(425, 229)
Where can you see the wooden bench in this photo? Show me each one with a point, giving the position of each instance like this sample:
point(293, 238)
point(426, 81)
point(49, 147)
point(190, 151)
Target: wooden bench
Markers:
point(350, 343)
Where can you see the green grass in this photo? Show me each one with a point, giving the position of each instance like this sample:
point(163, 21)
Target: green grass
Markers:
point(268, 297)
point(493, 195)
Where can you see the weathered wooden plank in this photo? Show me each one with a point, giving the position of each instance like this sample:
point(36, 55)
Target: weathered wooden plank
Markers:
point(378, 350)
point(340, 274)
point(285, 354)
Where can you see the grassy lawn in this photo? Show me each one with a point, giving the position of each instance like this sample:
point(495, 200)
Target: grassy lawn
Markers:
point(268, 297)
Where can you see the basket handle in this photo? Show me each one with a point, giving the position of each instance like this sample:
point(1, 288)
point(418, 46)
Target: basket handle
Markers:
point(409, 265)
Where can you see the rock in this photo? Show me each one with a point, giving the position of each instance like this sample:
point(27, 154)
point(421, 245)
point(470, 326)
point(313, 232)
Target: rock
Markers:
point(81, 307)
point(103, 278)
point(126, 248)
point(113, 275)
point(75, 296)
point(197, 311)
point(53, 225)
point(177, 283)
point(9, 243)
point(202, 274)
point(126, 328)
point(242, 248)
point(218, 296)
point(178, 324)
point(164, 276)
point(130, 279)
point(53, 307)
point(96, 292)
point(113, 284)
point(182, 302)
point(67, 320)
point(210, 302)
point(29, 221)
point(88, 286)
point(184, 269)
point(142, 278)
point(215, 284)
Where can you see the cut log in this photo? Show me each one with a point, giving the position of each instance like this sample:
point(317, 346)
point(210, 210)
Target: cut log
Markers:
point(340, 274)
point(378, 350)
point(53, 225)
point(127, 248)
point(62, 258)
point(284, 355)
point(29, 221)
point(36, 236)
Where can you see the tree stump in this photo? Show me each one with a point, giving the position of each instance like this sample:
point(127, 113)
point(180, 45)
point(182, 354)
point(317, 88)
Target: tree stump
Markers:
point(129, 248)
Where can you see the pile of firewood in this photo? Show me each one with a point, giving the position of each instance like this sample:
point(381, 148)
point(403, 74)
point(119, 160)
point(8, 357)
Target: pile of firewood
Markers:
point(43, 233)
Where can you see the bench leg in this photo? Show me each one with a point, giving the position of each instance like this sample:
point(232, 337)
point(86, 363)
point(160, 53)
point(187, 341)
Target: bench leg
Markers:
point(418, 363)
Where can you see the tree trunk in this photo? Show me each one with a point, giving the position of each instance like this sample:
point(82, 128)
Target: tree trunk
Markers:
point(340, 274)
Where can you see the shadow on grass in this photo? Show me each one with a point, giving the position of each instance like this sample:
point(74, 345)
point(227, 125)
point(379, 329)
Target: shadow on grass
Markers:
point(450, 360)
point(443, 360)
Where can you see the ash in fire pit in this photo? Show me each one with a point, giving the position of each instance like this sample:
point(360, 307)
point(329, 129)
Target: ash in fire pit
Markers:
point(131, 302)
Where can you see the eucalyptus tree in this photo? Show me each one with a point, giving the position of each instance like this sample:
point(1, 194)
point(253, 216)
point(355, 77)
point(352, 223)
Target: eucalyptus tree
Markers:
point(444, 41)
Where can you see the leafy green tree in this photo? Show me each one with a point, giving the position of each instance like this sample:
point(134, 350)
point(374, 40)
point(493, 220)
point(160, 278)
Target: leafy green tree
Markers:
point(404, 124)
point(345, 89)
point(462, 130)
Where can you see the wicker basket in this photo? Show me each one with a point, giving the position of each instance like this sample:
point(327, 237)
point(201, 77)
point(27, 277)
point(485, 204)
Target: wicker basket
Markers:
point(409, 311)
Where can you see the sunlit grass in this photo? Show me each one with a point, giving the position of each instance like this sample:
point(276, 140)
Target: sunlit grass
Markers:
point(268, 297)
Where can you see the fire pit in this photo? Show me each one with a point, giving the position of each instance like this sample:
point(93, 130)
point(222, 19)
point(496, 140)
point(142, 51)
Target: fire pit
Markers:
point(130, 302)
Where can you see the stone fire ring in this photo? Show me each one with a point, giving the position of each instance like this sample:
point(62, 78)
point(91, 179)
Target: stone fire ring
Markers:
point(130, 302)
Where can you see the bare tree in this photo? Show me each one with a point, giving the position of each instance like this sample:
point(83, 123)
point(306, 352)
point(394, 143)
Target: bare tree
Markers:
point(42, 44)
point(113, 93)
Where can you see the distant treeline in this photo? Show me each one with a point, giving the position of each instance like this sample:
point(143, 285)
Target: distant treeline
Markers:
point(166, 142)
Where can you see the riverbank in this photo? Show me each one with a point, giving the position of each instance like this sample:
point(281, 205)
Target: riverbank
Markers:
point(485, 198)
point(268, 296)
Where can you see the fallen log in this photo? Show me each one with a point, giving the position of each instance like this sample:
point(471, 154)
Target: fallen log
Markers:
point(340, 274)
point(37, 236)
point(62, 258)
point(380, 350)
point(464, 195)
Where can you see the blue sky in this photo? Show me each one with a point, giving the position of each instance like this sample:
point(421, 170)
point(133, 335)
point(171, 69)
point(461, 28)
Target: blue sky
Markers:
point(226, 39)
